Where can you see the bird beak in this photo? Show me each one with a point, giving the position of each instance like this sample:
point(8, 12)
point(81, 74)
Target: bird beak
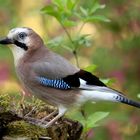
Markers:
point(5, 41)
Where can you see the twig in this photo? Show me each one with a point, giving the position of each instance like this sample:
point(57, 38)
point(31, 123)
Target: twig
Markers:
point(74, 48)
point(76, 57)
point(67, 33)
point(83, 24)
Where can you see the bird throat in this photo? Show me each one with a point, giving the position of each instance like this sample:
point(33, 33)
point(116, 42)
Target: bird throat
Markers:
point(18, 53)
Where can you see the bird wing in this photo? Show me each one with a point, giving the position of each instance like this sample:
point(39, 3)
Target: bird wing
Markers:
point(81, 80)
point(53, 66)
point(55, 71)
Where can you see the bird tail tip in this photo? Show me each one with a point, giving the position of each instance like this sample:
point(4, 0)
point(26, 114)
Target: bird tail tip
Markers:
point(130, 102)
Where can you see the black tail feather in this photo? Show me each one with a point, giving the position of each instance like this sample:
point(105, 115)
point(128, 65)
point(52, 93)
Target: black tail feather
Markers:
point(124, 100)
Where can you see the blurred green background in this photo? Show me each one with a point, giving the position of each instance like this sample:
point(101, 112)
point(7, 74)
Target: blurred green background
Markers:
point(115, 51)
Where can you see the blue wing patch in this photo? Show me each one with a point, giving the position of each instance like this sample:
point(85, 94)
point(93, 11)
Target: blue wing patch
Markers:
point(56, 83)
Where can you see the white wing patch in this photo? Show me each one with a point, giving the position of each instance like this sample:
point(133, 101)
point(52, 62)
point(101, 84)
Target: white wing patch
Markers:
point(83, 85)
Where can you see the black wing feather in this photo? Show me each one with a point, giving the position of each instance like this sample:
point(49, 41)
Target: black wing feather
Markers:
point(90, 78)
point(73, 80)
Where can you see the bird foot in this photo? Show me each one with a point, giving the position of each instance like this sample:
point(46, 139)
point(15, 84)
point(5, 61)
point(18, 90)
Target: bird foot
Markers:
point(41, 122)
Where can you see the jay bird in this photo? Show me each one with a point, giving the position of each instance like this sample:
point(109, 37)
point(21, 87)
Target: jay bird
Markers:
point(54, 79)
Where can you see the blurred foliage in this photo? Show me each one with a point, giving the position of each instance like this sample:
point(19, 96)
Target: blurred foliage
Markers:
point(68, 13)
point(115, 51)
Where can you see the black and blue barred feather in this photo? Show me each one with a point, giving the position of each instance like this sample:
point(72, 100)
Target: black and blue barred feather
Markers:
point(55, 83)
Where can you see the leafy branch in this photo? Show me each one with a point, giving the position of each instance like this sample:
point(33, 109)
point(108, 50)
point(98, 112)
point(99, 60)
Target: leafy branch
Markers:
point(68, 13)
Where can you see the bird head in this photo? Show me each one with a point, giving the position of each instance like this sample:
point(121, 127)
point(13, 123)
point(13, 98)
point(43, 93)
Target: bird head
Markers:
point(23, 38)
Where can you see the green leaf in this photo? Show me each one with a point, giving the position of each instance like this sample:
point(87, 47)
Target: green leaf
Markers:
point(61, 15)
point(95, 7)
point(47, 9)
point(108, 81)
point(70, 4)
point(78, 15)
point(68, 23)
point(67, 47)
point(60, 3)
point(82, 40)
point(91, 68)
point(76, 115)
point(50, 10)
point(84, 11)
point(94, 118)
point(96, 18)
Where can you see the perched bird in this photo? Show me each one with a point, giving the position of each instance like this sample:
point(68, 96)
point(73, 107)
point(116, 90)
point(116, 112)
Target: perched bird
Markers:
point(54, 79)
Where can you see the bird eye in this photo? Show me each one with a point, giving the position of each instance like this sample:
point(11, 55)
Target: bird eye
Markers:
point(22, 35)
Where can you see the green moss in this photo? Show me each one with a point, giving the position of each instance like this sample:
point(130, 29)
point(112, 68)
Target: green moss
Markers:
point(22, 128)
point(5, 102)
point(19, 128)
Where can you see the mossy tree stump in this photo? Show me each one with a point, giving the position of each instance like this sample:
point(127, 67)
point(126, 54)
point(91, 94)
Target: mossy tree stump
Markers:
point(15, 126)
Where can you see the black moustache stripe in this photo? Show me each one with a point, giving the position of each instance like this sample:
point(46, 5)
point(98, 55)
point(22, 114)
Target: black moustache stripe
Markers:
point(21, 45)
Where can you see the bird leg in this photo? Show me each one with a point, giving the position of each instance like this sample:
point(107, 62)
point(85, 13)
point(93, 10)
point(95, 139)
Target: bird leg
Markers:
point(62, 111)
